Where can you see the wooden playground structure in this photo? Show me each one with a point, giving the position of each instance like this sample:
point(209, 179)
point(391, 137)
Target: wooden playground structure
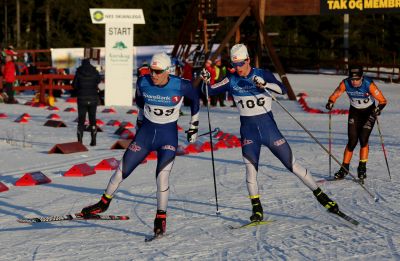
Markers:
point(205, 20)
point(201, 31)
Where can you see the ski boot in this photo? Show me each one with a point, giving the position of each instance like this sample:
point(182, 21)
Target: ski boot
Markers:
point(93, 133)
point(325, 201)
point(362, 171)
point(160, 223)
point(79, 134)
point(342, 172)
point(258, 214)
point(99, 207)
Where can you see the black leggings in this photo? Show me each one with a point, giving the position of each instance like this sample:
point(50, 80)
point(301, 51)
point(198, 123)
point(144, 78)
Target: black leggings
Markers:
point(8, 86)
point(360, 125)
point(86, 106)
point(217, 98)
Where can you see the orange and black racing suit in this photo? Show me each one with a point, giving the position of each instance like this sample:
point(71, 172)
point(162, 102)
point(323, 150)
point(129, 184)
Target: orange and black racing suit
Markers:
point(361, 117)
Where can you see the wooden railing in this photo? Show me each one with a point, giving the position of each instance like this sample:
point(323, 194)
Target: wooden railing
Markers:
point(385, 72)
point(44, 82)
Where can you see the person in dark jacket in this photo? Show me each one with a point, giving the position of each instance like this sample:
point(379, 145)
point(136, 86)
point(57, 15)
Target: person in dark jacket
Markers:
point(85, 84)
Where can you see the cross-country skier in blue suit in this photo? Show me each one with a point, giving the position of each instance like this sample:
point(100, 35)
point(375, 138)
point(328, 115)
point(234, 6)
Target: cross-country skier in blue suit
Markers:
point(159, 97)
point(250, 88)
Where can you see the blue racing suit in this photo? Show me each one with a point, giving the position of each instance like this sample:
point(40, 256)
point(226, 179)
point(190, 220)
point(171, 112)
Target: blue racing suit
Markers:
point(159, 108)
point(258, 126)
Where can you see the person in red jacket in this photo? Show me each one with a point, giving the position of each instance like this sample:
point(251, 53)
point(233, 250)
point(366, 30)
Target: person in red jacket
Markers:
point(9, 76)
point(211, 70)
point(187, 71)
point(144, 69)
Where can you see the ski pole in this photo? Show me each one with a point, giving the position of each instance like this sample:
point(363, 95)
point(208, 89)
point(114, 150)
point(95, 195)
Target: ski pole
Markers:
point(212, 146)
point(330, 143)
point(383, 147)
point(323, 147)
point(208, 132)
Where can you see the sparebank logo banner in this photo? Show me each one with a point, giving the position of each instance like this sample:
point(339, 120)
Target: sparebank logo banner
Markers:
point(359, 6)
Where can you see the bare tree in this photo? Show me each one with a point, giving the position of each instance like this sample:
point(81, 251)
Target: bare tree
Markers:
point(18, 22)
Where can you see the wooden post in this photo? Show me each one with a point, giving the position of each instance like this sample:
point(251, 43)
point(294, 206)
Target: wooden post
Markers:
point(274, 57)
point(18, 16)
point(228, 36)
point(237, 35)
point(205, 36)
point(261, 7)
point(233, 30)
point(180, 50)
point(260, 44)
point(51, 80)
point(186, 53)
point(42, 90)
point(185, 27)
point(346, 23)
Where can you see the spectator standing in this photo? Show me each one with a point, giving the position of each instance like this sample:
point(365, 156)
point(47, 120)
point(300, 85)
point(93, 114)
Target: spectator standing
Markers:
point(211, 70)
point(187, 73)
point(9, 76)
point(220, 73)
point(86, 83)
point(144, 69)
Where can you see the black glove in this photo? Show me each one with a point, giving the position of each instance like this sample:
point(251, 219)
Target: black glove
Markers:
point(192, 132)
point(205, 75)
point(376, 112)
point(329, 105)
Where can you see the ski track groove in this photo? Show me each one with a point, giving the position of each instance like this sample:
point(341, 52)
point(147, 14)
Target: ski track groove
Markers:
point(259, 237)
point(303, 229)
point(137, 206)
point(392, 247)
point(35, 253)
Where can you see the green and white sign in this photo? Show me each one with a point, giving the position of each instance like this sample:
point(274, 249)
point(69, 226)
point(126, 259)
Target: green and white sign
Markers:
point(118, 52)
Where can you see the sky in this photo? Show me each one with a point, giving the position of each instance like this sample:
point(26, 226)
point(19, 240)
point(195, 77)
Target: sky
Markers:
point(301, 228)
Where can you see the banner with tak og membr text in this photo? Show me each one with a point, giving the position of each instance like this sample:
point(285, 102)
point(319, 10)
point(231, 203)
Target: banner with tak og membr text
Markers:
point(359, 6)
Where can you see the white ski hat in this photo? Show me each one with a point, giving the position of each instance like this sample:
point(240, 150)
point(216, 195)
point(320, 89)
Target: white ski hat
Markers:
point(160, 61)
point(239, 53)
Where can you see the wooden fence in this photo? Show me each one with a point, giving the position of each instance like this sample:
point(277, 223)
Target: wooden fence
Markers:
point(43, 83)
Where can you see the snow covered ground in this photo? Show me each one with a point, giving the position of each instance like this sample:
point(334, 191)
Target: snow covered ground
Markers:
point(302, 229)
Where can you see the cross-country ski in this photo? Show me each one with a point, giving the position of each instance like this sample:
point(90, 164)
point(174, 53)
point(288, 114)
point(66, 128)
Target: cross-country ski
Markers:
point(77, 216)
point(298, 216)
point(251, 224)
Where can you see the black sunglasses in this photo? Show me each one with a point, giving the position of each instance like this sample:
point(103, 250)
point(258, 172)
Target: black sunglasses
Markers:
point(239, 64)
point(157, 71)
